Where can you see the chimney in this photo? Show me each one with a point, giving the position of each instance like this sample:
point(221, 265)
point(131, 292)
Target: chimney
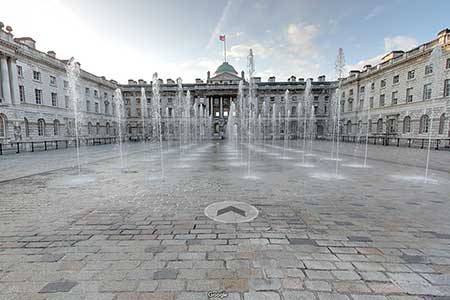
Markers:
point(170, 81)
point(256, 79)
point(142, 81)
point(51, 53)
point(198, 80)
point(321, 78)
point(26, 41)
point(271, 79)
point(131, 82)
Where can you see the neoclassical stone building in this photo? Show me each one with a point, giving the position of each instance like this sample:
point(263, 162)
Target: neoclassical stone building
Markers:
point(394, 98)
point(400, 96)
point(216, 95)
point(34, 96)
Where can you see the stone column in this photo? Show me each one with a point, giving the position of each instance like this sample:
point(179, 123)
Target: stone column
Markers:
point(13, 81)
point(5, 79)
point(221, 107)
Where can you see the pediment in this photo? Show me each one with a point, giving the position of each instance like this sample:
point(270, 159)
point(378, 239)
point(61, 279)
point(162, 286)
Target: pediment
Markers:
point(225, 77)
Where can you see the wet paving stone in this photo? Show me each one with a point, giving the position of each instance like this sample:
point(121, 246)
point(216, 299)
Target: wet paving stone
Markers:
point(58, 287)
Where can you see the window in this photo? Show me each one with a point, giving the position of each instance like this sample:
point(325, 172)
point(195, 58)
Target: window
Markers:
point(447, 88)
point(41, 127)
point(382, 99)
point(107, 128)
point(89, 128)
point(383, 83)
point(441, 124)
point(272, 99)
point(391, 126)
point(27, 127)
point(349, 127)
point(19, 71)
point(95, 93)
point(106, 107)
point(54, 99)
point(22, 93)
point(394, 97)
point(427, 91)
point(97, 128)
point(424, 124)
point(407, 124)
point(87, 91)
point(52, 80)
point(105, 95)
point(55, 127)
point(38, 96)
point(37, 75)
point(372, 86)
point(316, 98)
point(350, 93)
point(96, 107)
point(326, 98)
point(371, 102)
point(370, 125)
point(88, 105)
point(447, 64)
point(361, 104)
point(66, 101)
point(396, 79)
point(380, 126)
point(362, 89)
point(428, 69)
point(411, 74)
point(2, 126)
point(350, 104)
point(66, 84)
point(409, 95)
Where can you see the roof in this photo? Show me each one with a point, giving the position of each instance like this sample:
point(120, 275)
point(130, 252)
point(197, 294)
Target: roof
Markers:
point(225, 67)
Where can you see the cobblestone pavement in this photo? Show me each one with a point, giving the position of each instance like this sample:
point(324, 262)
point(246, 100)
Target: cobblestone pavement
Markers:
point(372, 233)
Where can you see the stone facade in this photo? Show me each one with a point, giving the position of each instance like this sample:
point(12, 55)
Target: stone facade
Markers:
point(400, 96)
point(34, 97)
point(394, 98)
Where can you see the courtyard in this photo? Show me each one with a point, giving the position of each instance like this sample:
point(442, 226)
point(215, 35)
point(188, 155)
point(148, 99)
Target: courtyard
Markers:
point(123, 232)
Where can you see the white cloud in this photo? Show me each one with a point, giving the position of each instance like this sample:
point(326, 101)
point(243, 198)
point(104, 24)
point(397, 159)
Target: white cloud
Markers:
point(375, 12)
point(400, 42)
point(301, 38)
point(242, 50)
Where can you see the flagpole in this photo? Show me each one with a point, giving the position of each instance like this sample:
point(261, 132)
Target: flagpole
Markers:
point(225, 48)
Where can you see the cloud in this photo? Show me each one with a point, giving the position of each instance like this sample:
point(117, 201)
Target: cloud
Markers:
point(301, 38)
point(390, 44)
point(219, 26)
point(399, 43)
point(242, 50)
point(375, 12)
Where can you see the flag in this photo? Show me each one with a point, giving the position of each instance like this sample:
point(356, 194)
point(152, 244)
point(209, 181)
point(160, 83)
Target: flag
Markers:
point(222, 37)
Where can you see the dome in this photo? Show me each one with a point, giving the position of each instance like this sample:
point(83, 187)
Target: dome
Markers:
point(225, 67)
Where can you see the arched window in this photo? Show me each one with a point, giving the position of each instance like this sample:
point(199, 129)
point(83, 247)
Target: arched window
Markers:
point(107, 128)
point(349, 127)
point(27, 127)
point(380, 125)
point(441, 124)
point(424, 124)
point(407, 124)
point(41, 127)
point(55, 127)
point(89, 128)
point(370, 125)
point(2, 126)
point(359, 126)
point(97, 128)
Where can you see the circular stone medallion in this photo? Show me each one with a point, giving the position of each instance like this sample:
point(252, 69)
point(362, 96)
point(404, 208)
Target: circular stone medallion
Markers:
point(231, 212)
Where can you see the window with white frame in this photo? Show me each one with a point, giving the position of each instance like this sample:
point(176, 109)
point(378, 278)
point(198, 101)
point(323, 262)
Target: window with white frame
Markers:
point(409, 95)
point(427, 91)
point(52, 80)
point(38, 96)
point(428, 69)
point(411, 74)
point(54, 99)
point(19, 71)
point(41, 127)
point(394, 97)
point(22, 93)
point(36, 75)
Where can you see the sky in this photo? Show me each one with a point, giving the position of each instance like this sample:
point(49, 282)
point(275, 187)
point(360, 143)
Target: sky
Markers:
point(132, 39)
